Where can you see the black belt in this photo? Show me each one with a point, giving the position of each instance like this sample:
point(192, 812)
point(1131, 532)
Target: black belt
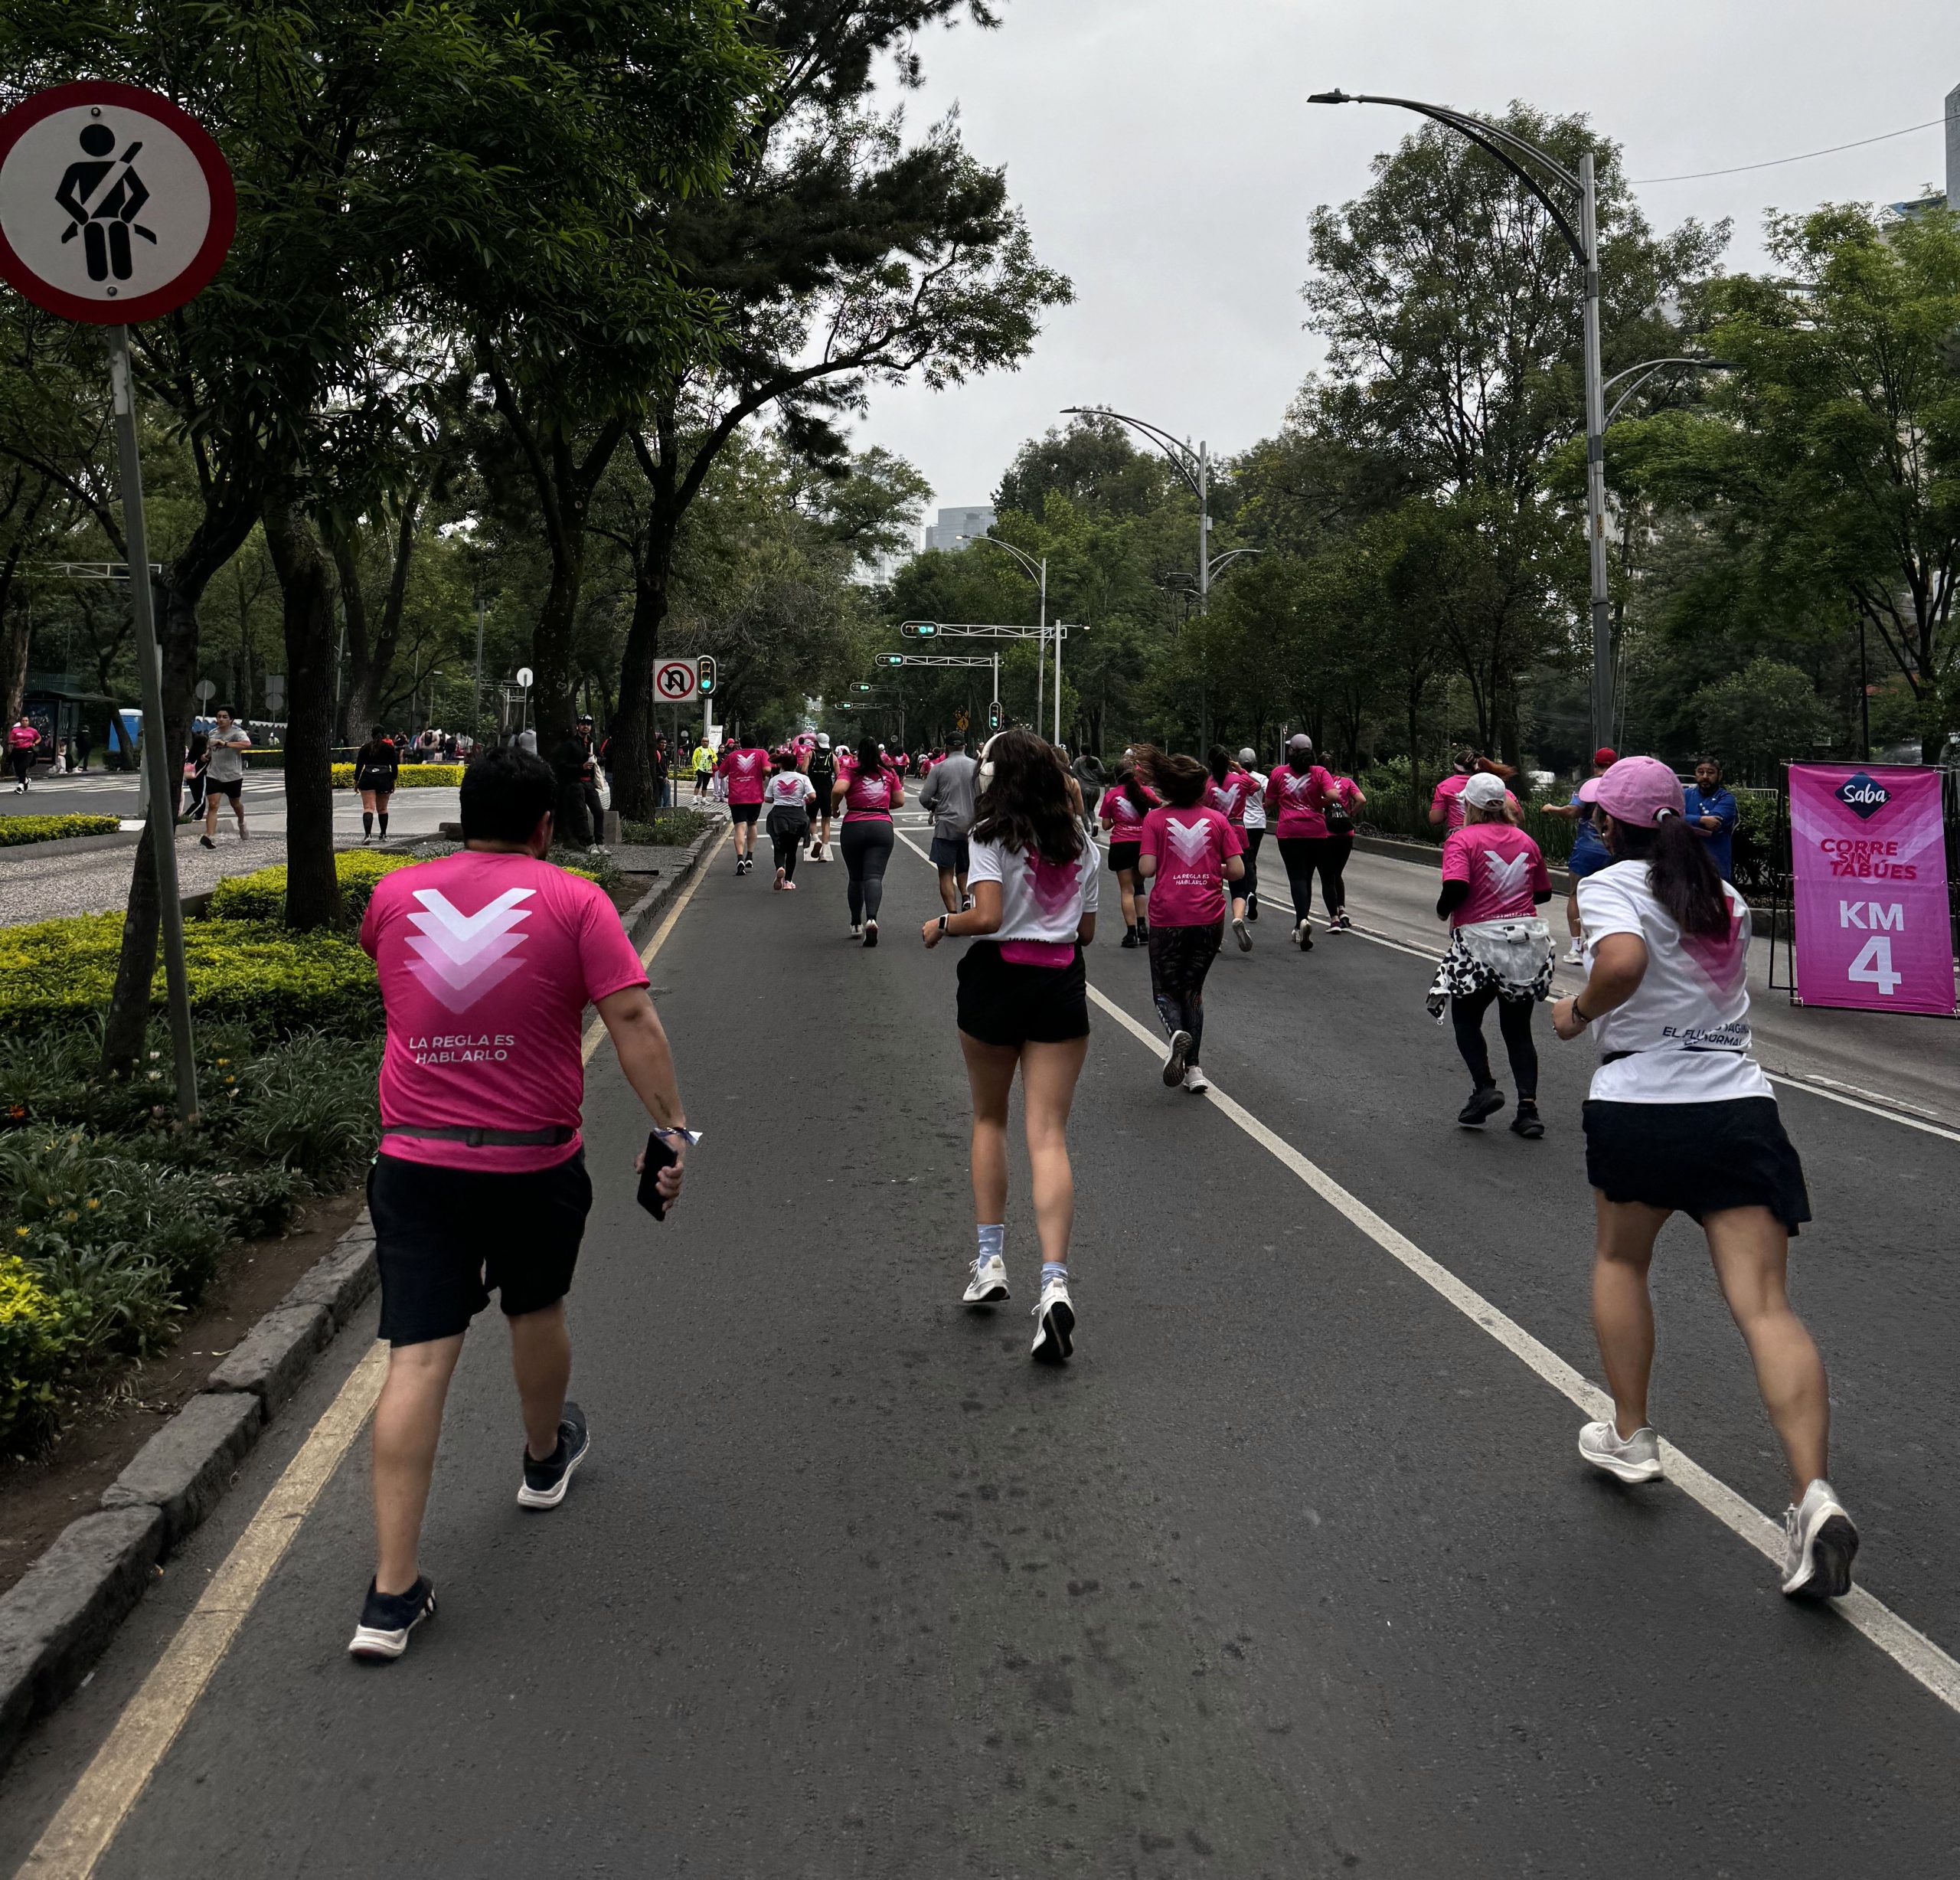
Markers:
point(493, 1138)
point(1703, 1051)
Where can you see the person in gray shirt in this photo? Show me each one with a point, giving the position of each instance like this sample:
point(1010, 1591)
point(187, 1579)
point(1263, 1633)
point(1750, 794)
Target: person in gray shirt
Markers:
point(224, 773)
point(949, 796)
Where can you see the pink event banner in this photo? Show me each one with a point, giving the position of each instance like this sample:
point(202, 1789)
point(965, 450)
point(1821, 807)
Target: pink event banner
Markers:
point(1868, 851)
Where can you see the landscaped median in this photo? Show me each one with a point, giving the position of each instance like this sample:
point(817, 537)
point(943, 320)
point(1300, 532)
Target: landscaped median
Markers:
point(409, 777)
point(18, 832)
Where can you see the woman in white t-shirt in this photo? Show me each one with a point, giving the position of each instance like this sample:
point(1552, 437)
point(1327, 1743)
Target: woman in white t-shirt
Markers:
point(1023, 1003)
point(1255, 827)
point(1681, 1118)
point(786, 800)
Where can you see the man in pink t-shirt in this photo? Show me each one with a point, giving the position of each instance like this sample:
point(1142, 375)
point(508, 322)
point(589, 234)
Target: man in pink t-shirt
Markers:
point(487, 960)
point(746, 770)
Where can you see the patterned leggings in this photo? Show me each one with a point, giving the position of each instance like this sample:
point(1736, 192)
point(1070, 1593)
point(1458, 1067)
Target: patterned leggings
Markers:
point(1180, 957)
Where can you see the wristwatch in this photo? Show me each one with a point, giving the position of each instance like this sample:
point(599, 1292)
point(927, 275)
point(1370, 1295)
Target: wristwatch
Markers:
point(943, 919)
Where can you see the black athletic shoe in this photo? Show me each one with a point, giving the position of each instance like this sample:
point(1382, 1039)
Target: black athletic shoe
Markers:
point(545, 1482)
point(1252, 907)
point(1129, 936)
point(1527, 1122)
point(387, 1618)
point(1485, 1101)
point(870, 933)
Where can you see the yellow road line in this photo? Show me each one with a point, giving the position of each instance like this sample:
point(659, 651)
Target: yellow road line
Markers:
point(89, 1820)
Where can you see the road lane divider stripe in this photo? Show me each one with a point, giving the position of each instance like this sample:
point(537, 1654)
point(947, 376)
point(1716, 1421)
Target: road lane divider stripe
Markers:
point(97, 1806)
point(88, 1819)
point(1903, 1643)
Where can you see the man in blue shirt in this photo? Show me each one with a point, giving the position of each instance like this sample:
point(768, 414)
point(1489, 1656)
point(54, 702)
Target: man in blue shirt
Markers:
point(1711, 809)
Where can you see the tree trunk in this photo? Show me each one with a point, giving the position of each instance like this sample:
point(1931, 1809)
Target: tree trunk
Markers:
point(306, 587)
point(632, 721)
point(19, 633)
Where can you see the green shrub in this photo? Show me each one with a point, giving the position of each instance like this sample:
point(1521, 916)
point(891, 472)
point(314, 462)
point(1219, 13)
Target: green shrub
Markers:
point(60, 972)
point(261, 895)
point(410, 776)
point(36, 1337)
point(670, 828)
point(15, 831)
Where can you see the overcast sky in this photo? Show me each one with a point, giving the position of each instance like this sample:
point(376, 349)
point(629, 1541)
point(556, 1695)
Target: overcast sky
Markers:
point(1168, 164)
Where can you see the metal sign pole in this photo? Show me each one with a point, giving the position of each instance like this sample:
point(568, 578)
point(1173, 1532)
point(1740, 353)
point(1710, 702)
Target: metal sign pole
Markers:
point(156, 750)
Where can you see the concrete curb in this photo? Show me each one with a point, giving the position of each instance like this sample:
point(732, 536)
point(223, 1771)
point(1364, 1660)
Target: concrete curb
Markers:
point(70, 844)
point(56, 1621)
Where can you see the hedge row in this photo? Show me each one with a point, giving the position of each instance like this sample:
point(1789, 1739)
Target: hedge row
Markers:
point(37, 1333)
point(243, 972)
point(15, 831)
point(261, 896)
point(410, 776)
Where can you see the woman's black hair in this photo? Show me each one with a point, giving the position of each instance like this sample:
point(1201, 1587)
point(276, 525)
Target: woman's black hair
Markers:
point(1130, 778)
point(1181, 779)
point(868, 758)
point(1026, 805)
point(1680, 870)
point(1219, 759)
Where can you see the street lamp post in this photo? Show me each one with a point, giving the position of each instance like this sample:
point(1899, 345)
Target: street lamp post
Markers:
point(1195, 466)
point(1037, 571)
point(1576, 194)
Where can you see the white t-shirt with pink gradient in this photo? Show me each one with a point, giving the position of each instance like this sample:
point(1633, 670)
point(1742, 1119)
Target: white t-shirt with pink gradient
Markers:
point(1504, 868)
point(487, 964)
point(1042, 903)
point(789, 789)
point(1192, 847)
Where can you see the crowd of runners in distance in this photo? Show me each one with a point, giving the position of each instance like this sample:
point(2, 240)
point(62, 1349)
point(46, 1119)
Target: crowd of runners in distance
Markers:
point(481, 1148)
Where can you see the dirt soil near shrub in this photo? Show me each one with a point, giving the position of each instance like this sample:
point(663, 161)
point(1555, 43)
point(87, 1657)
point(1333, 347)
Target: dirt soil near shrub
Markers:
point(38, 1499)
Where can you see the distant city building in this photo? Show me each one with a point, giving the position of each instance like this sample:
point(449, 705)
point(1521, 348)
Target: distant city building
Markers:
point(1948, 198)
point(953, 524)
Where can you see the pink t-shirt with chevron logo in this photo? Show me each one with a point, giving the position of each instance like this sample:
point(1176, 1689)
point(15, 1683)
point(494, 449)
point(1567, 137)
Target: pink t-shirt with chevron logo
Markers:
point(487, 964)
point(1192, 847)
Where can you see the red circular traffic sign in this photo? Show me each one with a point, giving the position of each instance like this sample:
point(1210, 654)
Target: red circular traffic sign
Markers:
point(116, 205)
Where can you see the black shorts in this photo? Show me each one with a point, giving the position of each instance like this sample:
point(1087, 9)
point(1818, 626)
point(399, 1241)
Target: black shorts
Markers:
point(744, 811)
point(950, 852)
point(445, 1238)
point(1124, 856)
point(223, 786)
point(1696, 1158)
point(1001, 1003)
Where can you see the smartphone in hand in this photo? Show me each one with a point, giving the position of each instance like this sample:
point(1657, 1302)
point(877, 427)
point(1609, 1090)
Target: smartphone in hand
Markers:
point(659, 1154)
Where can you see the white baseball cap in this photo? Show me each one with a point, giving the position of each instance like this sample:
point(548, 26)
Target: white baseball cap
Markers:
point(1484, 791)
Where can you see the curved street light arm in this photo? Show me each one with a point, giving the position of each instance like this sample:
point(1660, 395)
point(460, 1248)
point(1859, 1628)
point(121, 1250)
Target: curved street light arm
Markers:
point(1513, 151)
point(1649, 368)
point(1032, 566)
point(1231, 555)
point(1182, 458)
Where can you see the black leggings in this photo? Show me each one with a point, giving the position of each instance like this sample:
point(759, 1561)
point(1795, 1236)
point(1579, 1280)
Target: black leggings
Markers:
point(1302, 854)
point(1466, 1013)
point(1247, 885)
point(1333, 866)
point(23, 765)
point(789, 833)
point(867, 847)
point(1180, 957)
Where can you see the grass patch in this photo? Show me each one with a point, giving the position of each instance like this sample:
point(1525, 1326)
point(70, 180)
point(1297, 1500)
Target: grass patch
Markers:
point(670, 828)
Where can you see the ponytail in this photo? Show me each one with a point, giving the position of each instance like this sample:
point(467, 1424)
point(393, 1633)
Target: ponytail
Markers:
point(1220, 761)
point(1681, 872)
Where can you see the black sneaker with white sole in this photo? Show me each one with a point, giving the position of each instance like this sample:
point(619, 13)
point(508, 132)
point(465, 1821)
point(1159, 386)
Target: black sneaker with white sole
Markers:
point(387, 1618)
point(545, 1482)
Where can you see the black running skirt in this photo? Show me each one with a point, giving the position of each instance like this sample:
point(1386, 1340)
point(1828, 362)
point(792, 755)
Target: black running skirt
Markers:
point(1002, 1003)
point(1124, 856)
point(1696, 1158)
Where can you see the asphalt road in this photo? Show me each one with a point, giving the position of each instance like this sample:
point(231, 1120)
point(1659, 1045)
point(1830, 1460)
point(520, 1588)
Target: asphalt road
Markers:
point(1293, 1571)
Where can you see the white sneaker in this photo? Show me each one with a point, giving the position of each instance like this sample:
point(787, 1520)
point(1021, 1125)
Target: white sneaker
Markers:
point(1820, 1543)
point(1054, 1323)
point(1240, 933)
point(1575, 953)
point(1195, 1081)
point(1173, 1058)
point(1635, 1458)
point(987, 1285)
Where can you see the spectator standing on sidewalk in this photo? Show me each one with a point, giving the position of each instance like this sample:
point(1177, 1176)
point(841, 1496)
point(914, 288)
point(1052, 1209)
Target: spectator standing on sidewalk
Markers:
point(488, 959)
point(224, 773)
point(948, 793)
point(1713, 813)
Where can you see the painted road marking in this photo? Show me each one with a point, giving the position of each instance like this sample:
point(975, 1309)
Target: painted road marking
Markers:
point(1904, 1644)
point(89, 1820)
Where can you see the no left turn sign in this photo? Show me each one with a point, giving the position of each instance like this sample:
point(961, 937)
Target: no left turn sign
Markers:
point(115, 206)
point(675, 682)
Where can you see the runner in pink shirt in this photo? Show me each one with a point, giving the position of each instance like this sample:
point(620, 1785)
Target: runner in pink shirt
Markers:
point(1296, 795)
point(1124, 806)
point(745, 769)
point(1446, 802)
point(1231, 793)
point(1340, 846)
point(1190, 851)
point(487, 960)
point(868, 792)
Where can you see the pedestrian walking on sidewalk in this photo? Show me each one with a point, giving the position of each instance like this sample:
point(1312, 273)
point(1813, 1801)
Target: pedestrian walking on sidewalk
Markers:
point(377, 769)
point(948, 794)
point(1297, 795)
point(786, 802)
point(1124, 804)
point(1682, 1119)
point(867, 794)
point(1024, 1004)
point(1189, 850)
point(224, 773)
point(488, 959)
point(1494, 882)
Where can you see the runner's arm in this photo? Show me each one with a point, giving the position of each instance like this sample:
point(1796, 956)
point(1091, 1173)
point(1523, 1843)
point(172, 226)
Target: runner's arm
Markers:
point(1619, 963)
point(641, 1040)
point(983, 917)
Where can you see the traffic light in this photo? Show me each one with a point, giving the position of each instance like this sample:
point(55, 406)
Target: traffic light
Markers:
point(920, 629)
point(704, 674)
point(863, 686)
point(891, 658)
point(993, 716)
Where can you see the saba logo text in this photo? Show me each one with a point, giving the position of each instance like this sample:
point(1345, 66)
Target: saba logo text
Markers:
point(1863, 797)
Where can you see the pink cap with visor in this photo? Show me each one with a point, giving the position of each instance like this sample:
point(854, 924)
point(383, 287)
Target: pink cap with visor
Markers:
point(1637, 791)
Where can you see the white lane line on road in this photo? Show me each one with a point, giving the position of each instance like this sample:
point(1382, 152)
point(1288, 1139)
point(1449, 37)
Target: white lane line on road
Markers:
point(88, 1819)
point(97, 1806)
point(1907, 1647)
point(1904, 1644)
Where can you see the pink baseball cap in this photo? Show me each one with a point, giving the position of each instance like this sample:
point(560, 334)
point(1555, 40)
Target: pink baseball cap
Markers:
point(1636, 791)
